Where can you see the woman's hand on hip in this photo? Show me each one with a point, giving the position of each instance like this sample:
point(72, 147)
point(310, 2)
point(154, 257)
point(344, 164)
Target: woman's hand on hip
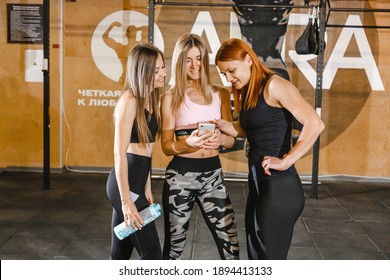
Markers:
point(275, 163)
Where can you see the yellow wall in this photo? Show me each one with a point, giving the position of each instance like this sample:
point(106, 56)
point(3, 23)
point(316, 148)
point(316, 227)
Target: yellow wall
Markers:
point(21, 103)
point(355, 142)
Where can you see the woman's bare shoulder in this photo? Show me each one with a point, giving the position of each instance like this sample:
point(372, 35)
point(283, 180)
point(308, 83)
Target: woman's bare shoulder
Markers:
point(126, 101)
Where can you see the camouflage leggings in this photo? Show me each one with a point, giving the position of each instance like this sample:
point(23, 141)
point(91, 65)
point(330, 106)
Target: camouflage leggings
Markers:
point(204, 185)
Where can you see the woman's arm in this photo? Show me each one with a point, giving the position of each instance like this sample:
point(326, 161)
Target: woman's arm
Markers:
point(287, 95)
point(168, 144)
point(124, 119)
point(230, 128)
point(148, 190)
point(226, 140)
point(225, 124)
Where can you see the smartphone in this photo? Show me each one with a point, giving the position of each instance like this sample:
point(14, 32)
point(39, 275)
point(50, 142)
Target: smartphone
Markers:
point(205, 127)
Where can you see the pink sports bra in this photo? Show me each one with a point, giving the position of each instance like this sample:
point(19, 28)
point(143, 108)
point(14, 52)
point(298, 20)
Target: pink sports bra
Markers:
point(190, 113)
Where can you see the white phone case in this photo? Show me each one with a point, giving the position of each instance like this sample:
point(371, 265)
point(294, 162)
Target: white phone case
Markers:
point(205, 127)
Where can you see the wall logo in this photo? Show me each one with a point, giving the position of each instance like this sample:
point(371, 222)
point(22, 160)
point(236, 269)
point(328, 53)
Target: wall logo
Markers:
point(351, 73)
point(113, 38)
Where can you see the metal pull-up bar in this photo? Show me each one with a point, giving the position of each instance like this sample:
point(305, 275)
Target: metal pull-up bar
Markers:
point(356, 10)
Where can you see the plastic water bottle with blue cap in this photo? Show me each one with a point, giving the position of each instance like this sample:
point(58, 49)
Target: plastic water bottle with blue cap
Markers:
point(148, 215)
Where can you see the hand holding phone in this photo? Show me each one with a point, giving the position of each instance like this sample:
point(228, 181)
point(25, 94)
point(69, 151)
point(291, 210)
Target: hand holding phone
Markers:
point(203, 128)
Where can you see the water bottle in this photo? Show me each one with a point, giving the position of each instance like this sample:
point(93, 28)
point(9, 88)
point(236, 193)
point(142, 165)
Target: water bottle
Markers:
point(148, 215)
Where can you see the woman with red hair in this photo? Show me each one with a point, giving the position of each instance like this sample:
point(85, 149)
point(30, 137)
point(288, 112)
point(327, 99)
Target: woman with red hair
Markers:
point(267, 104)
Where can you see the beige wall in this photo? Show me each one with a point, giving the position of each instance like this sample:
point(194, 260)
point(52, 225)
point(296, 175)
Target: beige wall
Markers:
point(355, 142)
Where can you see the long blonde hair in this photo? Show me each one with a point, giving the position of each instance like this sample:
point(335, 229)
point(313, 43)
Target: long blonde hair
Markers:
point(179, 73)
point(246, 97)
point(139, 81)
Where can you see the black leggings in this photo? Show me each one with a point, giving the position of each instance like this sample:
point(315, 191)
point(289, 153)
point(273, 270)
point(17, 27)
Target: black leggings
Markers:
point(145, 241)
point(273, 207)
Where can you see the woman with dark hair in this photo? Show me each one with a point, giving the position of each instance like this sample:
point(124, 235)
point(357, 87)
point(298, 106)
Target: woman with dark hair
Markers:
point(137, 122)
point(267, 104)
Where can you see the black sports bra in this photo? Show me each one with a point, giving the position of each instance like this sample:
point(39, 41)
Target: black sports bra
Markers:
point(152, 125)
point(181, 132)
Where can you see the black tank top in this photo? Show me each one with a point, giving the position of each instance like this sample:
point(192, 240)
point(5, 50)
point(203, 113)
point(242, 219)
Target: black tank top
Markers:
point(268, 130)
point(152, 125)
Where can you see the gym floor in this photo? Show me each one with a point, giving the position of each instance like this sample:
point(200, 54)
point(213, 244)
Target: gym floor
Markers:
point(350, 220)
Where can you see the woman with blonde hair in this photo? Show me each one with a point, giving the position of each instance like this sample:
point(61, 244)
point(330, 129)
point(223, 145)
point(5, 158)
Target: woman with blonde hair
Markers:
point(195, 174)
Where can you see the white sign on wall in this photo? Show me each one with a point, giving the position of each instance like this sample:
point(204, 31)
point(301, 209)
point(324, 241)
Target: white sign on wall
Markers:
point(33, 65)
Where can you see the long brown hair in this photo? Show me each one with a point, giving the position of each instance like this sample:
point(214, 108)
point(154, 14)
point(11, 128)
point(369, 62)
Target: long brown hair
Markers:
point(140, 73)
point(246, 97)
point(178, 71)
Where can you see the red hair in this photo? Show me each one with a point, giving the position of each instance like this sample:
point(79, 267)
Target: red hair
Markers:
point(246, 97)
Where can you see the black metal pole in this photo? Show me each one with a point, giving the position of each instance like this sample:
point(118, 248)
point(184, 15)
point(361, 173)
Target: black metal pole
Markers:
point(264, 6)
point(358, 26)
point(151, 21)
point(46, 95)
point(318, 96)
point(356, 10)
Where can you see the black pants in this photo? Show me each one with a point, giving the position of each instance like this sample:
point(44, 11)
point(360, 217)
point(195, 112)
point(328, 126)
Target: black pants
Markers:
point(145, 241)
point(273, 207)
